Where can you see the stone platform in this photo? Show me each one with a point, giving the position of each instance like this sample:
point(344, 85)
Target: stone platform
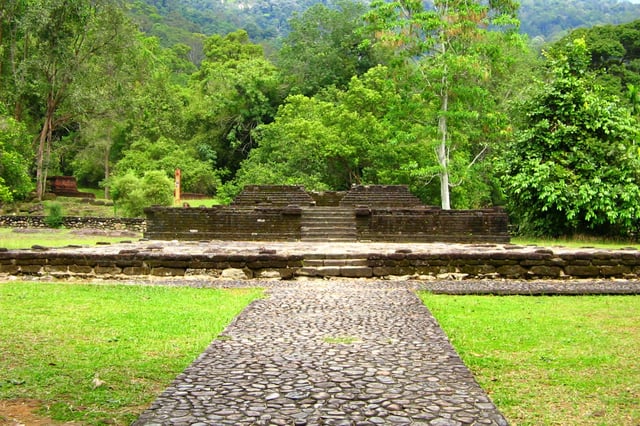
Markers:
point(297, 260)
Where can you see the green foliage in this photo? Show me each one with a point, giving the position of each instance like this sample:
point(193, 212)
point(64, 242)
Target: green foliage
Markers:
point(144, 156)
point(326, 47)
point(443, 56)
point(132, 194)
point(333, 140)
point(235, 90)
point(54, 216)
point(15, 182)
point(575, 166)
point(550, 19)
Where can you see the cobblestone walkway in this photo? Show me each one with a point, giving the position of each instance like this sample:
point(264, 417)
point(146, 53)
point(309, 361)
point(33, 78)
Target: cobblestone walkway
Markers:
point(328, 353)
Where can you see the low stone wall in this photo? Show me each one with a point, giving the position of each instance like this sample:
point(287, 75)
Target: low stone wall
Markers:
point(105, 223)
point(419, 224)
point(423, 224)
point(224, 223)
point(150, 261)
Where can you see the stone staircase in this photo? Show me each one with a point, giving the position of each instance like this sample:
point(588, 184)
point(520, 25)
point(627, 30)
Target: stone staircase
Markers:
point(328, 224)
point(325, 266)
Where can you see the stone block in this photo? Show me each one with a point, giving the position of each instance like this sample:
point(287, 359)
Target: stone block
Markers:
point(582, 270)
point(136, 270)
point(31, 269)
point(80, 269)
point(167, 272)
point(615, 270)
point(9, 269)
point(546, 271)
point(356, 271)
point(234, 274)
point(512, 271)
point(385, 271)
point(477, 270)
point(107, 270)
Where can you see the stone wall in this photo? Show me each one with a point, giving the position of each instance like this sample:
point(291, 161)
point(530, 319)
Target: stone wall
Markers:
point(423, 224)
point(106, 223)
point(224, 223)
point(273, 212)
point(514, 264)
point(419, 224)
point(273, 195)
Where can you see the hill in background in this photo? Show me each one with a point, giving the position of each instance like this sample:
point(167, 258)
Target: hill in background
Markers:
point(179, 21)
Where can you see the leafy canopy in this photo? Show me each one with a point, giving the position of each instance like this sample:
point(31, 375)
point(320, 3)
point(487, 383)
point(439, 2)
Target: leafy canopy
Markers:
point(575, 168)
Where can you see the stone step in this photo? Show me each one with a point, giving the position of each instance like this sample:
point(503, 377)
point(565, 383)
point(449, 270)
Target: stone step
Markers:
point(348, 271)
point(328, 227)
point(335, 262)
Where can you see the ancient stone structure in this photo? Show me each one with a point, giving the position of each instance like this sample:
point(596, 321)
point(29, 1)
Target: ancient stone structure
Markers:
point(365, 213)
point(75, 222)
point(66, 186)
point(320, 260)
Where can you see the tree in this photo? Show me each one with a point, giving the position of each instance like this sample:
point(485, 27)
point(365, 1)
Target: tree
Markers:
point(575, 167)
point(15, 182)
point(55, 42)
point(325, 47)
point(335, 139)
point(445, 56)
point(235, 90)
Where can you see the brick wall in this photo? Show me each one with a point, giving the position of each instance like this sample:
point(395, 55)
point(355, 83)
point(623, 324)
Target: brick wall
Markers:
point(423, 224)
point(224, 223)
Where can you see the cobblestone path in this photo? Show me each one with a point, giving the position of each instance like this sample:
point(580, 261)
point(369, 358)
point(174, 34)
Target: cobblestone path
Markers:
point(328, 353)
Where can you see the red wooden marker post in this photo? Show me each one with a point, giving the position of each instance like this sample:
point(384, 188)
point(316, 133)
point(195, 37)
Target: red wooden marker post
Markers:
point(176, 191)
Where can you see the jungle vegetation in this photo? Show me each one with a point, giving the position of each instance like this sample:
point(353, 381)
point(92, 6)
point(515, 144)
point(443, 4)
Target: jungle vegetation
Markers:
point(450, 97)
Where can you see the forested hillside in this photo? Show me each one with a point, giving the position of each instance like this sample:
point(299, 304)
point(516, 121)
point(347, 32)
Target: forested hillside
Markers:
point(263, 20)
point(451, 101)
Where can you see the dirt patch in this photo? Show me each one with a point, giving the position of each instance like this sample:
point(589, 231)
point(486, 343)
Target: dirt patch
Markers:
point(104, 232)
point(19, 412)
point(36, 231)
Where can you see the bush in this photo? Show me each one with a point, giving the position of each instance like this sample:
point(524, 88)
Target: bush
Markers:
point(133, 195)
point(53, 217)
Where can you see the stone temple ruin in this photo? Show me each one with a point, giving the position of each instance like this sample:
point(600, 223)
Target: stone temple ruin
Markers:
point(387, 213)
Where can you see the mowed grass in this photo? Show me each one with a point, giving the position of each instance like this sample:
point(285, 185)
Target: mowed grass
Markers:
point(576, 242)
point(12, 240)
point(99, 354)
point(558, 360)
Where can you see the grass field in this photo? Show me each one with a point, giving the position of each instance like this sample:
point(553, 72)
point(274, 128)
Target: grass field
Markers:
point(98, 354)
point(550, 360)
point(54, 238)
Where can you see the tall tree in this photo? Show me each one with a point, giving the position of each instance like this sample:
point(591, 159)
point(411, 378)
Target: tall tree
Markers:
point(445, 55)
point(325, 47)
point(62, 38)
point(574, 166)
point(235, 90)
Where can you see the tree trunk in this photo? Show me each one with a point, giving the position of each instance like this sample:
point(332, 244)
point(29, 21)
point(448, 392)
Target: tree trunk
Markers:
point(443, 155)
point(443, 160)
point(107, 152)
point(44, 143)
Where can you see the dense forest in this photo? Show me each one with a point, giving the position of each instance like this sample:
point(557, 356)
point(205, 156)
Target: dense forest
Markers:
point(454, 101)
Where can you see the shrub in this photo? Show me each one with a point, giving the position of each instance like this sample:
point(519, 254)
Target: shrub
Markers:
point(132, 194)
point(53, 217)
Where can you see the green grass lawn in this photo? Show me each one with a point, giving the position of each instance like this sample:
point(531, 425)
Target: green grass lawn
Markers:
point(53, 238)
point(57, 341)
point(550, 360)
point(601, 243)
